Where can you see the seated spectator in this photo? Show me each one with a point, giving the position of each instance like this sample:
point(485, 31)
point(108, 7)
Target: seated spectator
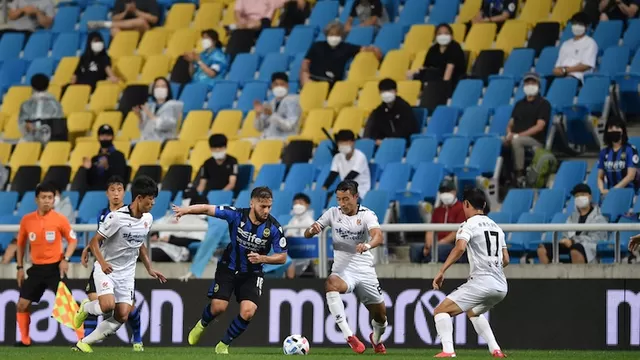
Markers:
point(393, 118)
point(138, 15)
point(280, 117)
point(94, 64)
point(528, 125)
point(349, 163)
point(577, 55)
point(295, 12)
point(255, 14)
point(581, 245)
point(40, 106)
point(27, 16)
point(220, 171)
point(618, 162)
point(326, 60)
point(159, 117)
point(107, 163)
point(618, 9)
point(303, 218)
point(211, 64)
point(496, 11)
point(368, 12)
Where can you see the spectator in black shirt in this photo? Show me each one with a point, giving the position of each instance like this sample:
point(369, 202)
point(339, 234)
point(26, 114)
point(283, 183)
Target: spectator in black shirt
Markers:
point(528, 125)
point(618, 9)
point(368, 13)
point(393, 118)
point(109, 161)
point(220, 171)
point(496, 11)
point(94, 64)
point(326, 60)
point(295, 13)
point(139, 15)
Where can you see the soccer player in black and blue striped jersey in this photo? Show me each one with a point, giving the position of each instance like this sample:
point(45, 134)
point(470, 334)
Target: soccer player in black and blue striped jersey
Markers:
point(253, 233)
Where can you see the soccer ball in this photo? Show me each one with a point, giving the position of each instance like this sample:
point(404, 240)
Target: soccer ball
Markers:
point(295, 345)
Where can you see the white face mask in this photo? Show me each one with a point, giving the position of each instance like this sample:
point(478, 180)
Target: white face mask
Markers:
point(56, 200)
point(531, 90)
point(218, 155)
point(344, 149)
point(299, 209)
point(280, 91)
point(334, 41)
point(443, 39)
point(97, 47)
point(447, 198)
point(578, 29)
point(160, 93)
point(206, 43)
point(388, 96)
point(582, 202)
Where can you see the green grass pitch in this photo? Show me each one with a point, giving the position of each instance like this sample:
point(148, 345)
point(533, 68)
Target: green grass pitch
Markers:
point(204, 353)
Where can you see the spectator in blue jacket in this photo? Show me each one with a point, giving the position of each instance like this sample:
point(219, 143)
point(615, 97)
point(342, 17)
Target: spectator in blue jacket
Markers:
point(618, 160)
point(212, 63)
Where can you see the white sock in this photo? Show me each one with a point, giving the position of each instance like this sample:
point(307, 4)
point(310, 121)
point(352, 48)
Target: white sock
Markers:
point(378, 330)
point(336, 308)
point(104, 329)
point(93, 308)
point(483, 329)
point(445, 330)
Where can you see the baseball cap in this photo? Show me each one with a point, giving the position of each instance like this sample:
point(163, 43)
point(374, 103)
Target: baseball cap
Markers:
point(105, 129)
point(447, 185)
point(531, 76)
point(581, 188)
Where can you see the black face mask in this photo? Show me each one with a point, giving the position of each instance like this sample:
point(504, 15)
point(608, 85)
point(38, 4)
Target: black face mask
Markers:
point(105, 144)
point(614, 136)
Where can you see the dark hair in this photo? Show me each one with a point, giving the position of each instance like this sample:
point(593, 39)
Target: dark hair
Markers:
point(303, 197)
point(617, 122)
point(279, 76)
point(143, 186)
point(580, 18)
point(476, 198)
point(261, 192)
point(217, 140)
point(213, 35)
point(444, 25)
point(169, 94)
point(40, 82)
point(114, 180)
point(46, 187)
point(348, 185)
point(387, 84)
point(88, 53)
point(345, 135)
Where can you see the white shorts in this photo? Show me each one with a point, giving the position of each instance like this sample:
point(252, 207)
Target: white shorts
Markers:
point(479, 299)
point(364, 283)
point(121, 287)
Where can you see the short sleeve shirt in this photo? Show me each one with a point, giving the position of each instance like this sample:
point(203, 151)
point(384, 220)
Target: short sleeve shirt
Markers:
point(27, 22)
point(527, 113)
point(217, 176)
point(329, 63)
point(44, 234)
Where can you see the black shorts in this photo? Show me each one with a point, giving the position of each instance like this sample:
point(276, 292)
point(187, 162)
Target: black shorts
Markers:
point(39, 279)
point(91, 285)
point(563, 250)
point(246, 286)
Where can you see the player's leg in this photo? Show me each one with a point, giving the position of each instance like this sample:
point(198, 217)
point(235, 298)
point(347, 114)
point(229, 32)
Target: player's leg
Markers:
point(462, 299)
point(134, 323)
point(369, 292)
point(91, 321)
point(219, 292)
point(31, 291)
point(481, 324)
point(105, 302)
point(334, 286)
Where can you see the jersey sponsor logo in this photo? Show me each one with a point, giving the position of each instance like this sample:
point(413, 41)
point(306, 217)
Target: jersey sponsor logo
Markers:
point(250, 241)
point(134, 236)
point(349, 235)
point(32, 236)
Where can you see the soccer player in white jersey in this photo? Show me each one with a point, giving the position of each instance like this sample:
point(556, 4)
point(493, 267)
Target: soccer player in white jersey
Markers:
point(122, 233)
point(487, 285)
point(355, 232)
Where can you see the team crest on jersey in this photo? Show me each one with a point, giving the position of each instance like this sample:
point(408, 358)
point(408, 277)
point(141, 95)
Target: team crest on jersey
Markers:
point(216, 287)
point(32, 236)
point(146, 225)
point(266, 233)
point(359, 222)
point(105, 284)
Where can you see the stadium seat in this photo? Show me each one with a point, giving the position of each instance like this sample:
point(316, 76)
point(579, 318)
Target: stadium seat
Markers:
point(569, 175)
point(361, 36)
point(153, 42)
point(467, 93)
point(240, 150)
point(544, 34)
point(363, 68)
point(181, 41)
point(128, 67)
point(547, 61)
point(390, 150)
point(349, 118)
point(323, 155)
point(145, 153)
point(318, 199)
point(282, 202)
point(468, 10)
point(342, 94)
point(243, 68)
point(92, 13)
point(299, 178)
point(500, 218)
point(550, 201)
point(517, 202)
point(91, 204)
point(123, 44)
point(25, 153)
point(65, 70)
point(273, 62)
point(294, 70)
point(454, 153)
point(443, 12)
point(442, 122)
point(220, 197)
point(37, 46)
point(177, 178)
point(8, 202)
point(112, 118)
point(367, 146)
point(11, 73)
point(248, 129)
point(194, 96)
point(179, 16)
point(252, 91)
point(472, 123)
point(271, 175)
point(378, 202)
point(480, 37)
point(5, 152)
point(562, 92)
point(227, 122)
point(614, 61)
point(500, 120)
point(607, 34)
point(421, 149)
point(39, 66)
point(54, 153)
point(11, 46)
point(299, 40)
point(75, 99)
point(14, 98)
point(534, 11)
point(517, 64)
point(323, 13)
point(313, 95)
point(424, 184)
point(315, 122)
point(209, 13)
point(395, 65)
point(269, 41)
point(66, 44)
point(65, 19)
point(617, 203)
point(394, 178)
point(631, 37)
point(175, 152)
point(242, 201)
point(389, 37)
point(563, 10)
point(498, 93)
point(523, 242)
point(512, 35)
point(161, 205)
point(297, 151)
point(104, 97)
point(266, 152)
point(488, 63)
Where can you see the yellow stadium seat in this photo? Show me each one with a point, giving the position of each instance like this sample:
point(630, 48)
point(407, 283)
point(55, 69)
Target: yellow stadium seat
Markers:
point(83, 149)
point(123, 44)
point(248, 129)
point(195, 127)
point(409, 90)
point(25, 153)
point(395, 65)
point(14, 98)
point(179, 16)
point(316, 120)
point(266, 152)
point(229, 16)
point(182, 41)
point(65, 70)
point(534, 11)
point(123, 146)
point(104, 97)
point(459, 32)
point(80, 139)
point(208, 16)
point(79, 122)
point(351, 118)
point(199, 154)
point(144, 153)
point(227, 122)
point(342, 94)
point(175, 152)
point(468, 11)
point(55, 90)
point(480, 37)
point(363, 68)
point(5, 152)
point(419, 38)
point(155, 66)
point(128, 67)
point(240, 149)
point(418, 61)
point(512, 35)
point(222, 35)
point(75, 99)
point(563, 10)
point(55, 153)
point(130, 127)
point(11, 128)
point(153, 42)
point(112, 118)
point(313, 95)
point(369, 98)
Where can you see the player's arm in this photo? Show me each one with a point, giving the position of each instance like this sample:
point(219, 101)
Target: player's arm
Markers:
point(179, 212)
point(505, 257)
point(106, 229)
point(455, 254)
point(279, 245)
point(21, 244)
point(371, 221)
point(144, 257)
point(70, 235)
point(94, 247)
point(317, 227)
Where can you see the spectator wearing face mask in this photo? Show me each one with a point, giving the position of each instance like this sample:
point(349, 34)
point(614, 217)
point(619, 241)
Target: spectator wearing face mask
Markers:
point(302, 217)
point(159, 117)
point(393, 118)
point(40, 106)
point(107, 163)
point(279, 118)
point(220, 171)
point(211, 64)
point(618, 162)
point(577, 55)
point(580, 245)
point(368, 13)
point(94, 64)
point(349, 163)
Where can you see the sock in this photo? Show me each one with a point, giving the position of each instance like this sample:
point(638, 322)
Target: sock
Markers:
point(336, 308)
point(93, 308)
point(207, 315)
point(105, 329)
point(235, 329)
point(378, 330)
point(24, 320)
point(134, 323)
point(445, 330)
point(90, 324)
point(483, 329)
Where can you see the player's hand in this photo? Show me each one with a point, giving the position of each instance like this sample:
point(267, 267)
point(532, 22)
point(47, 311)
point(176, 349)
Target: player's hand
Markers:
point(315, 229)
point(84, 258)
point(106, 268)
point(20, 277)
point(64, 267)
point(566, 243)
point(634, 242)
point(178, 211)
point(255, 258)
point(438, 280)
point(157, 275)
point(362, 247)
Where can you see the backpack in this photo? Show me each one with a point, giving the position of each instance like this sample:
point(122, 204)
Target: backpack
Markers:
point(544, 164)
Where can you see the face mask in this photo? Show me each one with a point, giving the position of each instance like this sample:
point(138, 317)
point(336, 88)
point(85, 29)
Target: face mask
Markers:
point(388, 97)
point(334, 41)
point(299, 209)
point(443, 39)
point(582, 202)
point(105, 144)
point(280, 91)
point(578, 30)
point(344, 149)
point(160, 93)
point(614, 136)
point(56, 200)
point(97, 47)
point(531, 90)
point(218, 155)
point(206, 44)
point(447, 198)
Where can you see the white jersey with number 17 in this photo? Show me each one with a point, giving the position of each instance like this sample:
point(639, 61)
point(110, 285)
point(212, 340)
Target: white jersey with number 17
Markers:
point(485, 241)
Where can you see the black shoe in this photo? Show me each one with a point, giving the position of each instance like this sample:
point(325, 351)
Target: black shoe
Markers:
point(21, 344)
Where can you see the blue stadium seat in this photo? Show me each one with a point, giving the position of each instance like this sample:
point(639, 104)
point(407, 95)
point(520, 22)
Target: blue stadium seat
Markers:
point(454, 153)
point(90, 206)
point(421, 115)
point(245, 175)
point(222, 96)
point(27, 204)
point(161, 205)
point(607, 34)
point(6, 237)
point(299, 178)
point(378, 202)
point(346, 11)
point(500, 218)
point(367, 146)
point(614, 61)
point(322, 176)
point(517, 64)
point(294, 67)
point(442, 122)
point(424, 184)
point(220, 197)
point(617, 203)
point(253, 90)
point(282, 202)
point(323, 154)
point(193, 96)
point(65, 19)
point(73, 196)
point(422, 149)
point(66, 44)
point(523, 242)
point(8, 202)
point(472, 123)
point(323, 13)
point(482, 161)
point(631, 37)
point(269, 41)
point(39, 66)
point(467, 93)
point(92, 13)
point(273, 62)
point(627, 86)
point(550, 201)
point(244, 68)
point(243, 199)
point(299, 40)
point(11, 73)
point(389, 37)
point(547, 60)
point(414, 12)
point(579, 129)
point(318, 199)
point(570, 173)
point(562, 92)
point(11, 46)
point(498, 93)
point(271, 175)
point(361, 36)
point(635, 141)
point(392, 8)
point(394, 178)
point(443, 12)
point(520, 92)
point(37, 46)
point(500, 120)
point(558, 218)
point(518, 201)
point(390, 150)
point(605, 250)
point(594, 93)
point(127, 197)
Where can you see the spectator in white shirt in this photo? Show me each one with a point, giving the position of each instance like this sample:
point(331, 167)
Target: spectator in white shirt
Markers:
point(577, 55)
point(349, 163)
point(302, 218)
point(279, 118)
